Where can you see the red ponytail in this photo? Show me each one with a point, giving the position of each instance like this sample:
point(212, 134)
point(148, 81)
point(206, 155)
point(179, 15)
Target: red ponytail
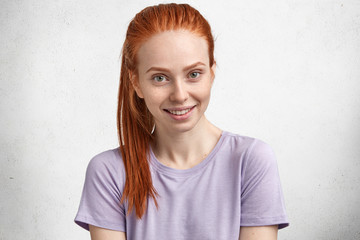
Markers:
point(134, 121)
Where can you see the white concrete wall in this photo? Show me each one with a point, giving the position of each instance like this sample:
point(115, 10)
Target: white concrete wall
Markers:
point(288, 73)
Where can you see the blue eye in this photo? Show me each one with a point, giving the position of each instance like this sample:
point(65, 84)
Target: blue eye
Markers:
point(159, 78)
point(194, 75)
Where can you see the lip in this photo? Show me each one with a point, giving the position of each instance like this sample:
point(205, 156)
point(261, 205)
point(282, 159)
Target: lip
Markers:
point(179, 108)
point(180, 117)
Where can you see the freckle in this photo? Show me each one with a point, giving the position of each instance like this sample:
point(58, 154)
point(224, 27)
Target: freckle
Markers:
point(11, 177)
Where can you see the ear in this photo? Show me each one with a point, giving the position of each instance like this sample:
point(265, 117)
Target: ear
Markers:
point(213, 70)
point(135, 83)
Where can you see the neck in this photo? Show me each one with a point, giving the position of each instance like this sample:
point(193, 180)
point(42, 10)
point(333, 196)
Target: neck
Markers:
point(183, 150)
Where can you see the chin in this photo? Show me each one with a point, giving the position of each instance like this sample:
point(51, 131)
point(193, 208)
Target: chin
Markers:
point(188, 126)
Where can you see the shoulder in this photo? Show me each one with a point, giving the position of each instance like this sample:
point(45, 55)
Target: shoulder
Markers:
point(100, 203)
point(233, 142)
point(247, 143)
point(107, 164)
point(251, 150)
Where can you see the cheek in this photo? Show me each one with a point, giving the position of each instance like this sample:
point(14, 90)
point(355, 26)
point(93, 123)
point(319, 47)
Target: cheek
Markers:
point(152, 95)
point(204, 92)
point(153, 100)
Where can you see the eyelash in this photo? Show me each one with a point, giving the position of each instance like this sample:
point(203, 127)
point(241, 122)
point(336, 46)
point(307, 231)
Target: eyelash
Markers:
point(198, 74)
point(156, 78)
point(159, 76)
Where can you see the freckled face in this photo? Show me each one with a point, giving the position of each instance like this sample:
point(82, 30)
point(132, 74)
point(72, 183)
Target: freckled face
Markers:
point(175, 79)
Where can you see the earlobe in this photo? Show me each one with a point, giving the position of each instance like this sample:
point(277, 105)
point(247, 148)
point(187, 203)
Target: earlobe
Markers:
point(135, 83)
point(213, 70)
point(138, 91)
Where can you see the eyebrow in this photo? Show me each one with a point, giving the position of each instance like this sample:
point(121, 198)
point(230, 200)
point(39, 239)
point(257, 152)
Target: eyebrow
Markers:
point(167, 70)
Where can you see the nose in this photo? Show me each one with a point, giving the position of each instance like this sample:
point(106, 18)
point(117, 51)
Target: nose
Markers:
point(179, 92)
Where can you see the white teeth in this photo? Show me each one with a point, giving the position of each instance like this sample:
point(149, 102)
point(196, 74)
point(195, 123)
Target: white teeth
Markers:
point(182, 112)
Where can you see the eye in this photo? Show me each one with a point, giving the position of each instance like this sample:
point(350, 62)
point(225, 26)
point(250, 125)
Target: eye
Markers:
point(159, 78)
point(194, 75)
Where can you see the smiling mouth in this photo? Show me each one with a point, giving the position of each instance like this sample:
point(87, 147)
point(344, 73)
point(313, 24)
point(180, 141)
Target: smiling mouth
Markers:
point(179, 112)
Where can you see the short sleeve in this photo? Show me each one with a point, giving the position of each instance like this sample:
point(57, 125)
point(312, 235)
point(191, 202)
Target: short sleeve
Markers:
point(100, 201)
point(262, 201)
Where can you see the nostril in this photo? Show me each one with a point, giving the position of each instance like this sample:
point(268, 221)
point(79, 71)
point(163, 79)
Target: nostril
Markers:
point(179, 94)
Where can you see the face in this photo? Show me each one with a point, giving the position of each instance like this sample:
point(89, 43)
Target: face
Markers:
point(174, 78)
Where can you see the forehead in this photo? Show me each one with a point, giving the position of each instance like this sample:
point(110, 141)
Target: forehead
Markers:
point(173, 49)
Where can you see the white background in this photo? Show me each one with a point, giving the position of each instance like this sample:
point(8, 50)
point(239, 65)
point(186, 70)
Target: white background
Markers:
point(288, 73)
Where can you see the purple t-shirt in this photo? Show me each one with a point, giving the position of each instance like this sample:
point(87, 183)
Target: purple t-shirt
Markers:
point(237, 184)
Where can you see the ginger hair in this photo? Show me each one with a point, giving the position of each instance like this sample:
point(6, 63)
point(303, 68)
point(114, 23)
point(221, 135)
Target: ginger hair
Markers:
point(134, 121)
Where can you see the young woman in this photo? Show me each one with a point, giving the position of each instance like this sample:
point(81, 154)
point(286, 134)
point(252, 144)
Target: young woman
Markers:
point(176, 175)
